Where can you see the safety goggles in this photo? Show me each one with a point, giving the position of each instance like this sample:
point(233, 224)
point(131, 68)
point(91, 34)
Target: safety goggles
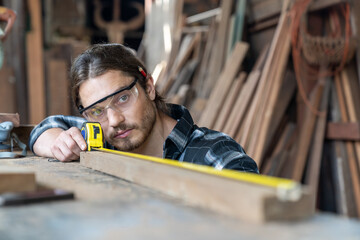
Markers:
point(119, 101)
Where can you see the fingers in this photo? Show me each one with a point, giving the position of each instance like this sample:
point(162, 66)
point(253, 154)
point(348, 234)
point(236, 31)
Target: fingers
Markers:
point(68, 145)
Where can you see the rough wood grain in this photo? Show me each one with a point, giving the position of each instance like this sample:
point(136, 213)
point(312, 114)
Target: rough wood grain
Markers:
point(208, 191)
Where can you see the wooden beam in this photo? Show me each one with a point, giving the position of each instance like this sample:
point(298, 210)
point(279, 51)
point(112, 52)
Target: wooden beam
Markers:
point(343, 131)
point(220, 194)
point(15, 179)
point(35, 64)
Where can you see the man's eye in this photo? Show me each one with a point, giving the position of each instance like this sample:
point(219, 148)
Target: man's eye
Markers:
point(96, 111)
point(123, 98)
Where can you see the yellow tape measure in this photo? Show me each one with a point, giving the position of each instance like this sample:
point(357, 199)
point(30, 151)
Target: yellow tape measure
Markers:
point(93, 135)
point(286, 187)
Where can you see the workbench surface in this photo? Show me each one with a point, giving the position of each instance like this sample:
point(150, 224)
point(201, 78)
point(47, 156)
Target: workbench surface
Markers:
point(107, 207)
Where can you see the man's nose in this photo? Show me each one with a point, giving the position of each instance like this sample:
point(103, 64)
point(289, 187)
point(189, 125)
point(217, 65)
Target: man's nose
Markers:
point(114, 117)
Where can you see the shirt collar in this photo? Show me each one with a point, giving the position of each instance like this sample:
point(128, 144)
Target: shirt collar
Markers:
point(182, 131)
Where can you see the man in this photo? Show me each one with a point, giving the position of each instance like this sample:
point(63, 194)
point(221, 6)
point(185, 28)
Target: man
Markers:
point(111, 86)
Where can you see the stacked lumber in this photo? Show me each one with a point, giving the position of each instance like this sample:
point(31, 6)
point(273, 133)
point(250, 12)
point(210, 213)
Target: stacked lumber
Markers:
point(295, 122)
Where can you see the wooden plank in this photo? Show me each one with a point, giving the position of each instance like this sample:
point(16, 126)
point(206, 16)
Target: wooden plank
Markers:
point(242, 104)
point(275, 78)
point(217, 59)
point(306, 134)
point(352, 106)
point(285, 96)
point(12, 117)
point(274, 163)
point(253, 121)
point(343, 187)
point(187, 47)
point(16, 179)
point(201, 75)
point(343, 131)
point(58, 88)
point(208, 191)
point(246, 128)
point(354, 170)
point(223, 84)
point(35, 69)
point(312, 173)
point(229, 103)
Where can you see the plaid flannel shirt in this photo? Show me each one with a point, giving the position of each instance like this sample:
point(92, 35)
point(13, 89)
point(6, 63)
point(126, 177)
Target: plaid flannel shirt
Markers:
point(186, 143)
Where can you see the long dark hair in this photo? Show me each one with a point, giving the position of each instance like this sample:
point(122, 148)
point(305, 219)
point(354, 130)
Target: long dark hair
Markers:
point(99, 59)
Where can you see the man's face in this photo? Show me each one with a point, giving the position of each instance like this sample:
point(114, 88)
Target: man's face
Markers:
point(126, 130)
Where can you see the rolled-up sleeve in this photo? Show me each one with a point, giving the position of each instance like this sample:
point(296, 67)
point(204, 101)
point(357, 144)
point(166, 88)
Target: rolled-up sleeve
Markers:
point(56, 121)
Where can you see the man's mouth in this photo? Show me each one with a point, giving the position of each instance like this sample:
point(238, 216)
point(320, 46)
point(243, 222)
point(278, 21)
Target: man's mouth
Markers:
point(123, 133)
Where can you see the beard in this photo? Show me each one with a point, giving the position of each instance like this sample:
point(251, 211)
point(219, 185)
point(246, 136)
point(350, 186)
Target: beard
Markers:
point(142, 131)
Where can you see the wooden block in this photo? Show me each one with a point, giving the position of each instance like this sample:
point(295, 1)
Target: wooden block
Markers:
point(209, 191)
point(12, 117)
point(343, 131)
point(15, 179)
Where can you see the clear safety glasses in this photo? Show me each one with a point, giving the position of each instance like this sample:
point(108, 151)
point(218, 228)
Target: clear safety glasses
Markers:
point(119, 101)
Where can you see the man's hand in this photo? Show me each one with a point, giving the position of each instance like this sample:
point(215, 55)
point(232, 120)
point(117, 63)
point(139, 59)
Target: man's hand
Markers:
point(62, 145)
